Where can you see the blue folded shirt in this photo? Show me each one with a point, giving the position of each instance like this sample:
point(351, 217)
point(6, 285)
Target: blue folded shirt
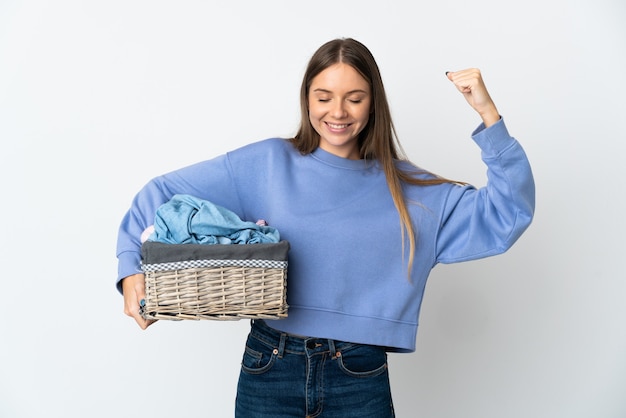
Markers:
point(185, 219)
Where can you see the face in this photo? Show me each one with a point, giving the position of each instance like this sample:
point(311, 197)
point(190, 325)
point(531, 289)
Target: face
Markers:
point(339, 108)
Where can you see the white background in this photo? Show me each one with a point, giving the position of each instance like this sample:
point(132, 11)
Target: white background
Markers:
point(97, 97)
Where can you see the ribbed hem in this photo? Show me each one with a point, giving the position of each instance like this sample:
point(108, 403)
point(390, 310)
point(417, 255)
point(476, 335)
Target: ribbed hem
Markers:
point(493, 140)
point(129, 264)
point(395, 336)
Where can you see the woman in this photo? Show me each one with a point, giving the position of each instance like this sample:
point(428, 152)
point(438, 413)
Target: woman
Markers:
point(365, 226)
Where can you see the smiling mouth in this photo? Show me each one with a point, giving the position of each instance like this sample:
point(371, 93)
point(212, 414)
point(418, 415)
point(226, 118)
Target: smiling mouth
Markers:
point(337, 126)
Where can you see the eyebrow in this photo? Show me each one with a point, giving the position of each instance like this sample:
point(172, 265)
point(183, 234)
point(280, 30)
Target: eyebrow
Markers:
point(318, 90)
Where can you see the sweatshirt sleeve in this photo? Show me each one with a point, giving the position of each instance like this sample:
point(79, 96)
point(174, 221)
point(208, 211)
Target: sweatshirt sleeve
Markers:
point(209, 180)
point(478, 223)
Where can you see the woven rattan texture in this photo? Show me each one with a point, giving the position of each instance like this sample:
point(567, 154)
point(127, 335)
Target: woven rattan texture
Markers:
point(220, 293)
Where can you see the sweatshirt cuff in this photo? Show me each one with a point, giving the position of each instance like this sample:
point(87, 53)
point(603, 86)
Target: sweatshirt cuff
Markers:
point(129, 263)
point(494, 139)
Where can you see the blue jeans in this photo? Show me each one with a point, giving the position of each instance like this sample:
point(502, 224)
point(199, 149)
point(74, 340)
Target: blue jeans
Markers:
point(287, 376)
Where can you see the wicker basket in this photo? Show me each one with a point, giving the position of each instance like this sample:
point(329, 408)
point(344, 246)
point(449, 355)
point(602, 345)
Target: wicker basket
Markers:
point(218, 282)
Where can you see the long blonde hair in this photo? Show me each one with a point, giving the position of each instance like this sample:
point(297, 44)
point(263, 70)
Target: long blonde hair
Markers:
point(378, 140)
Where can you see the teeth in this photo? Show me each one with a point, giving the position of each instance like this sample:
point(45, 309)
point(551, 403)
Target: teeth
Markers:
point(332, 125)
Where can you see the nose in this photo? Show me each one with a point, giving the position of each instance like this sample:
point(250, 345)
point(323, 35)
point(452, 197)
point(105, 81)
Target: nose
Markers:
point(339, 110)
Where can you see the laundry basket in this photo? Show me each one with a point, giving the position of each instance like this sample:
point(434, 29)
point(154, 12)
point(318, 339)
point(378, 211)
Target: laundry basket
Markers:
point(218, 282)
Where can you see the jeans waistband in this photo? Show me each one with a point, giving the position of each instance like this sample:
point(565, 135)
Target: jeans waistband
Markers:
point(296, 344)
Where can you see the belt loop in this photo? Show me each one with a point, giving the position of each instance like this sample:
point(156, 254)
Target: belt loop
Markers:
point(331, 348)
point(281, 344)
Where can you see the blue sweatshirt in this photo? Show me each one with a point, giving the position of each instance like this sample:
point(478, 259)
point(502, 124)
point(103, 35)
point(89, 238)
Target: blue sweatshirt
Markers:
point(347, 275)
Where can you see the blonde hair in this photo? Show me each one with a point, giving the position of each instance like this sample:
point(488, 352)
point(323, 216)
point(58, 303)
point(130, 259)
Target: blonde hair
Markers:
point(378, 140)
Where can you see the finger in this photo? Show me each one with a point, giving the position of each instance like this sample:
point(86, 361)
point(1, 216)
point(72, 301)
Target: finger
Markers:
point(143, 322)
point(134, 310)
point(134, 293)
point(140, 291)
point(466, 80)
point(471, 72)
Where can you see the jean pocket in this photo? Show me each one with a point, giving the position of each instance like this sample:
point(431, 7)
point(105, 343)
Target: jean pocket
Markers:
point(258, 357)
point(362, 361)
